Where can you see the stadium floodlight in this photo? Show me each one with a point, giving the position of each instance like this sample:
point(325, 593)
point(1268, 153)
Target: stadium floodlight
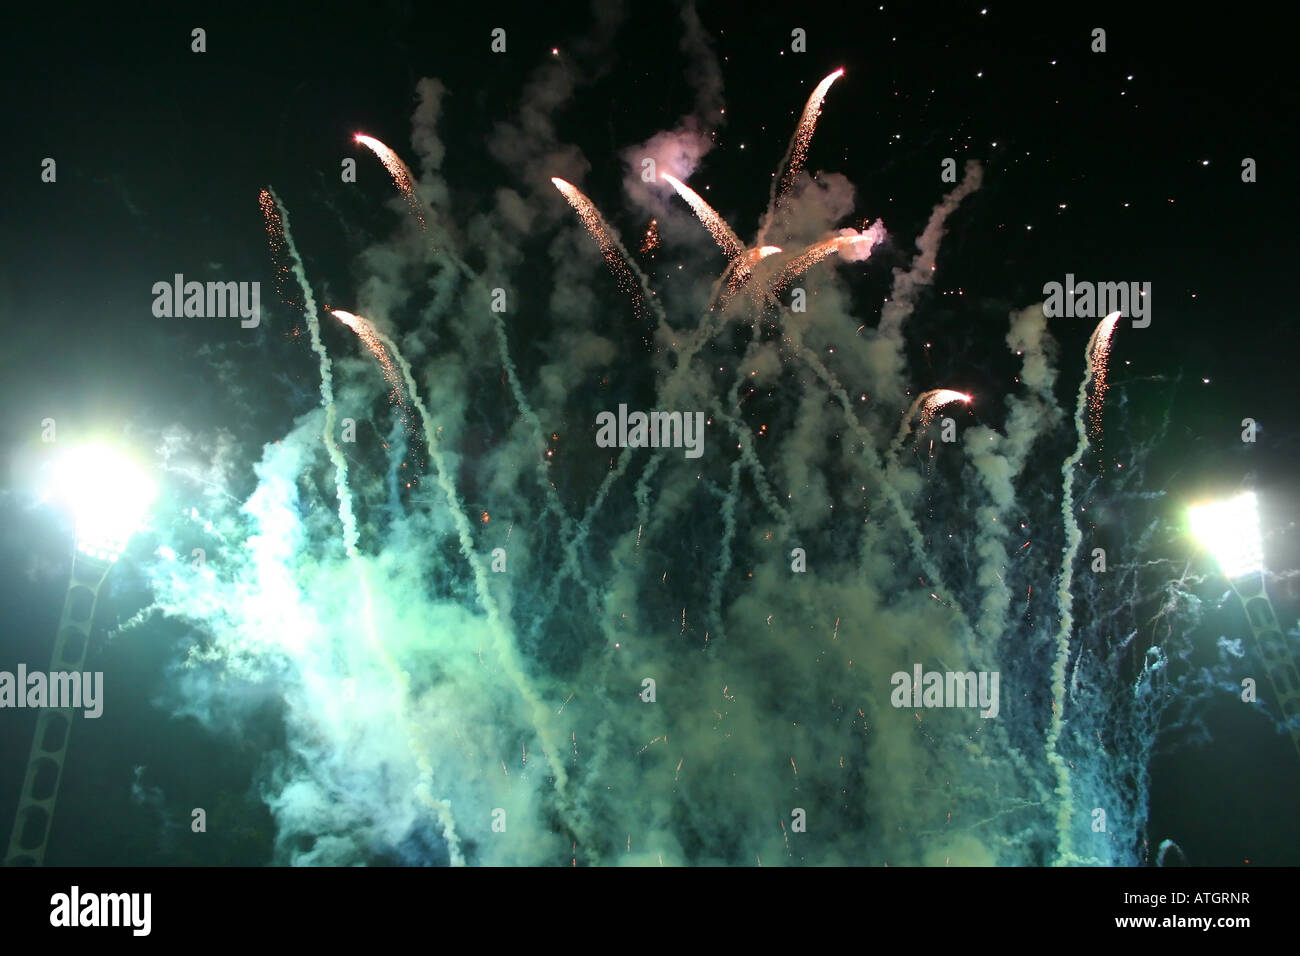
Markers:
point(1230, 531)
point(109, 496)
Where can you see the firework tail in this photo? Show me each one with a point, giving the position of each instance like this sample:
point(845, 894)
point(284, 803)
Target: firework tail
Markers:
point(346, 515)
point(1097, 353)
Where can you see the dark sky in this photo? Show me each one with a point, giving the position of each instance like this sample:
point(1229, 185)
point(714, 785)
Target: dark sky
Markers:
point(161, 152)
point(1120, 166)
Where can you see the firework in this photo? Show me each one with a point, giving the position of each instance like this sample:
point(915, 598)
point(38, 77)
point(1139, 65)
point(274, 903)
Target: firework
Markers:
point(346, 515)
point(1098, 352)
point(742, 267)
point(398, 170)
point(1099, 363)
point(392, 375)
point(616, 537)
point(718, 228)
point(650, 241)
point(797, 152)
point(815, 253)
point(928, 404)
point(275, 242)
point(615, 255)
point(496, 626)
point(937, 399)
point(628, 277)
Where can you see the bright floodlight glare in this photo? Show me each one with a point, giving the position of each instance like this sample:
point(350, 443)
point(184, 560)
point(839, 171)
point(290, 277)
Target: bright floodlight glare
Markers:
point(1230, 531)
point(109, 497)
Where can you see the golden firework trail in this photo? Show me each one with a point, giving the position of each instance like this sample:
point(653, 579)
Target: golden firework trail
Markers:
point(397, 169)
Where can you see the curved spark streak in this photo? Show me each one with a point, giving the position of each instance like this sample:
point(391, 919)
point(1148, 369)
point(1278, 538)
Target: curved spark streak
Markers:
point(928, 403)
point(797, 154)
point(1099, 362)
point(722, 233)
point(591, 218)
point(937, 399)
point(815, 253)
point(742, 267)
point(397, 169)
point(628, 276)
point(371, 341)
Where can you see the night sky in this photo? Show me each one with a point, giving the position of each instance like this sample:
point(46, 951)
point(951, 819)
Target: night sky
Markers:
point(1123, 165)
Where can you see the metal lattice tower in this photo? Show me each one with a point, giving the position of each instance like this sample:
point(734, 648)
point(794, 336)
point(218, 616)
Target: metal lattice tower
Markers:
point(31, 830)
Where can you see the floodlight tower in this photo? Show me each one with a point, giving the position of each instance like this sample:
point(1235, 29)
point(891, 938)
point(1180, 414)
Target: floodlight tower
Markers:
point(109, 497)
point(1230, 530)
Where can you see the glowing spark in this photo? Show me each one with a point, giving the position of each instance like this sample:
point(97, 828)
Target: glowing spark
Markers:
point(650, 242)
point(1099, 362)
point(397, 169)
point(805, 260)
point(615, 255)
point(717, 227)
point(370, 339)
point(854, 246)
point(928, 403)
point(937, 399)
point(797, 154)
point(275, 240)
point(742, 267)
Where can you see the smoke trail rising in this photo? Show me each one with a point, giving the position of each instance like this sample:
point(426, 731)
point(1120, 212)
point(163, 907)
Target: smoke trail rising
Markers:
point(908, 284)
point(346, 515)
point(402, 682)
point(507, 654)
point(1097, 352)
point(424, 791)
point(571, 532)
point(869, 454)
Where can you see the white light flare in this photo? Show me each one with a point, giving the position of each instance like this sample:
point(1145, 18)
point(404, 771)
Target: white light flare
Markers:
point(1229, 530)
point(109, 496)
